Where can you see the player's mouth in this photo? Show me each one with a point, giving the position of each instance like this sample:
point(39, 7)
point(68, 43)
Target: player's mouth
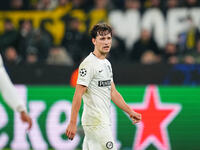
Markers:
point(106, 47)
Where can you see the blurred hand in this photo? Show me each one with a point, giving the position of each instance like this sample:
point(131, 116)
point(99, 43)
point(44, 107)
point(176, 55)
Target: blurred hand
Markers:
point(71, 130)
point(25, 118)
point(136, 117)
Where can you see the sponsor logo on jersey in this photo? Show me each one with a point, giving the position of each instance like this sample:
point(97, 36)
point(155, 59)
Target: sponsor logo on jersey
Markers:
point(104, 83)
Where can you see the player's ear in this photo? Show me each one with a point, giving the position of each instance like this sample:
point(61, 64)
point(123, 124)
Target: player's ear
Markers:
point(94, 41)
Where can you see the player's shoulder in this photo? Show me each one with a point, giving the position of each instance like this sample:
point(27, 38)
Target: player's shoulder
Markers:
point(108, 62)
point(88, 61)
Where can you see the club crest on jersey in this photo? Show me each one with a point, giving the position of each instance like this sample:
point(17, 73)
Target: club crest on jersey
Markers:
point(109, 145)
point(83, 72)
point(104, 83)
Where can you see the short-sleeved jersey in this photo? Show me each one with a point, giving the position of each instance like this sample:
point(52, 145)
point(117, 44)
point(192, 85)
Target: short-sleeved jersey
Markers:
point(97, 75)
point(8, 91)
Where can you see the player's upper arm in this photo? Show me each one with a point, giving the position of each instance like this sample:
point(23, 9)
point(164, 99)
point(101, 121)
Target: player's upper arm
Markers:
point(115, 96)
point(113, 88)
point(80, 89)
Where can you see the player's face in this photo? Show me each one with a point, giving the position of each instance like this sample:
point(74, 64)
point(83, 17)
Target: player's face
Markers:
point(103, 43)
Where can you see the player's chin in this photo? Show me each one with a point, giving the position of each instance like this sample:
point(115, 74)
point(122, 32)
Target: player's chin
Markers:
point(106, 50)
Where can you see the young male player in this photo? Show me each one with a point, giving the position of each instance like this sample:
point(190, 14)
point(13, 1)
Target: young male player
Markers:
point(95, 84)
point(11, 97)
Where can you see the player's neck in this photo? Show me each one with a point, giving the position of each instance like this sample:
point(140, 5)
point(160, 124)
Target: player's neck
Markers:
point(99, 55)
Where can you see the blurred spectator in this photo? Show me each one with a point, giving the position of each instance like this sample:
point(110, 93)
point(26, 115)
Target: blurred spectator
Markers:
point(78, 4)
point(101, 4)
point(145, 43)
point(99, 12)
point(26, 32)
point(132, 4)
point(187, 40)
point(152, 4)
point(41, 41)
point(62, 3)
point(59, 56)
point(192, 34)
point(149, 57)
point(126, 23)
point(192, 56)
point(197, 55)
point(170, 4)
point(118, 49)
point(33, 4)
point(118, 4)
point(156, 3)
point(47, 4)
point(44, 31)
point(189, 60)
point(74, 41)
point(170, 54)
point(9, 37)
point(11, 56)
point(16, 5)
point(32, 56)
point(191, 3)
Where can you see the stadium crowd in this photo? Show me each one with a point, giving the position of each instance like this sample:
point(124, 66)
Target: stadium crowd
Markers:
point(26, 44)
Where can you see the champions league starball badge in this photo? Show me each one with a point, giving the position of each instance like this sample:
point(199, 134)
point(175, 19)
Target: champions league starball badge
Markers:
point(83, 72)
point(109, 145)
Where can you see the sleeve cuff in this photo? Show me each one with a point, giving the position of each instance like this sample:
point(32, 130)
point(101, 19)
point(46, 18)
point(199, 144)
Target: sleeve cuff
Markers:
point(21, 108)
point(82, 83)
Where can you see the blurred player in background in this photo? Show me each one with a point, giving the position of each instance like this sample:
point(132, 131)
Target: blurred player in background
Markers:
point(11, 97)
point(95, 84)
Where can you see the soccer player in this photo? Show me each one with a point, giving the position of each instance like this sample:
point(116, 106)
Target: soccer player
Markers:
point(11, 97)
point(95, 84)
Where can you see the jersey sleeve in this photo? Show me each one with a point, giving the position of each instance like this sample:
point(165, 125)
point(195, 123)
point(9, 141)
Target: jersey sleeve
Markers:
point(85, 74)
point(111, 71)
point(1, 61)
point(9, 92)
point(111, 74)
point(112, 78)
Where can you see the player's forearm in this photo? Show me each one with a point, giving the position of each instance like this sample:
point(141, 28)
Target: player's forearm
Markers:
point(9, 92)
point(119, 101)
point(76, 104)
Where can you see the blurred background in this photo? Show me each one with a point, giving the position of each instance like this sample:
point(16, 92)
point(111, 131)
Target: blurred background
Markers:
point(155, 51)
